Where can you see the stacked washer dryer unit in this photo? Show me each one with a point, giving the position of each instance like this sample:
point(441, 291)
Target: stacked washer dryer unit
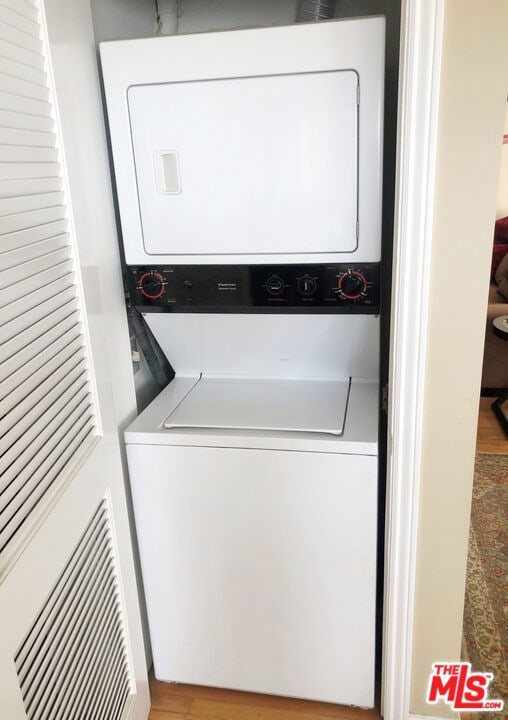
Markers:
point(248, 166)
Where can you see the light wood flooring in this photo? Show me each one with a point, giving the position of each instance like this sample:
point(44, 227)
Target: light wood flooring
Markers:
point(189, 702)
point(192, 702)
point(491, 437)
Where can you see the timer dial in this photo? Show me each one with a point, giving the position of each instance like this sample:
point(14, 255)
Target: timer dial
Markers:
point(352, 285)
point(151, 285)
point(306, 286)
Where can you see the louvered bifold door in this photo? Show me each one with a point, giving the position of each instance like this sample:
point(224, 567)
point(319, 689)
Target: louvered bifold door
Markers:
point(71, 644)
point(46, 410)
point(72, 663)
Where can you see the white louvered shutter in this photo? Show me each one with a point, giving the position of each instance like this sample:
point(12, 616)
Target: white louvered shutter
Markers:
point(70, 633)
point(46, 411)
point(76, 646)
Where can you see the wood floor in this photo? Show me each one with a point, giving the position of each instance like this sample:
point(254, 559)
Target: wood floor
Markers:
point(192, 702)
point(189, 702)
point(491, 437)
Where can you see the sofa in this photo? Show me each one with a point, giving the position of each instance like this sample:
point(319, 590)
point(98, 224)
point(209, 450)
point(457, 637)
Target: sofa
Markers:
point(495, 358)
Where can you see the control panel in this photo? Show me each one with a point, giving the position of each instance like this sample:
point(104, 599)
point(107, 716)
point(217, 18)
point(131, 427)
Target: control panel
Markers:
point(346, 288)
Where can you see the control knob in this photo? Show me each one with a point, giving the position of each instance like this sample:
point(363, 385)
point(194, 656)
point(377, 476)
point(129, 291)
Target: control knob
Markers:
point(275, 285)
point(306, 286)
point(352, 285)
point(151, 285)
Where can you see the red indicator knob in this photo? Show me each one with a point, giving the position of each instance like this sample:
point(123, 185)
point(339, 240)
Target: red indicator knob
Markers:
point(352, 285)
point(151, 285)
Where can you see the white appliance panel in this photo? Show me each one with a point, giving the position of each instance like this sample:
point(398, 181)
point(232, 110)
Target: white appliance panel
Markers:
point(263, 404)
point(305, 347)
point(260, 568)
point(251, 166)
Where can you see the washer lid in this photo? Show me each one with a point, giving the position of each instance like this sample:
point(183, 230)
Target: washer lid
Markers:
point(264, 404)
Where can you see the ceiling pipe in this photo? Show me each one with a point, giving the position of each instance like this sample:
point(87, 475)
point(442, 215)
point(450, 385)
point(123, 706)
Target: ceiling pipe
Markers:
point(168, 12)
point(313, 10)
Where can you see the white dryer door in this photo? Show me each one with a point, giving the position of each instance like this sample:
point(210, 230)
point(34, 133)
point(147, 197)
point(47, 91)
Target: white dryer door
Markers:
point(257, 165)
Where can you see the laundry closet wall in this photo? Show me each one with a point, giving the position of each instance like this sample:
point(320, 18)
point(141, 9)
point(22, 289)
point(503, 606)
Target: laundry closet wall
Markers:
point(123, 19)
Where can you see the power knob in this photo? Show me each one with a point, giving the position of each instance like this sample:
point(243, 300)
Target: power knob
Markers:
point(151, 285)
point(352, 285)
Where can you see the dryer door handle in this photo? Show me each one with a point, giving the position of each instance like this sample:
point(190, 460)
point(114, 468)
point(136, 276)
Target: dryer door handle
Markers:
point(166, 164)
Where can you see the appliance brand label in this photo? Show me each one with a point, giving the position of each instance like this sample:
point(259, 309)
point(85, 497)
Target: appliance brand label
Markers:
point(227, 286)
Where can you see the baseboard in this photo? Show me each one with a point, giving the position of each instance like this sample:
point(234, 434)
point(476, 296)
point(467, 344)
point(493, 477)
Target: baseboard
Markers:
point(425, 717)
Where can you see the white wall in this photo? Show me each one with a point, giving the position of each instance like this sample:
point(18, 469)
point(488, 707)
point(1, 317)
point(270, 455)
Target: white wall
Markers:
point(122, 19)
point(207, 15)
point(472, 102)
point(502, 191)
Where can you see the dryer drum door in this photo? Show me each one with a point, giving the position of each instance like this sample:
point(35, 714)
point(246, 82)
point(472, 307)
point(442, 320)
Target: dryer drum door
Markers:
point(256, 165)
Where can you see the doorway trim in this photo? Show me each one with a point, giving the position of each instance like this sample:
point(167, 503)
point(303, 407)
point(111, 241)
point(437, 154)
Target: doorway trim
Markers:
point(419, 86)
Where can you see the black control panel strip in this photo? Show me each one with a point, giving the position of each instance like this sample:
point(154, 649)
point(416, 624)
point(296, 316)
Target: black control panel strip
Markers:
point(334, 288)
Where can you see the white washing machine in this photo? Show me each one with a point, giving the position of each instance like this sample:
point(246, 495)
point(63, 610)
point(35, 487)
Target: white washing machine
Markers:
point(248, 167)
